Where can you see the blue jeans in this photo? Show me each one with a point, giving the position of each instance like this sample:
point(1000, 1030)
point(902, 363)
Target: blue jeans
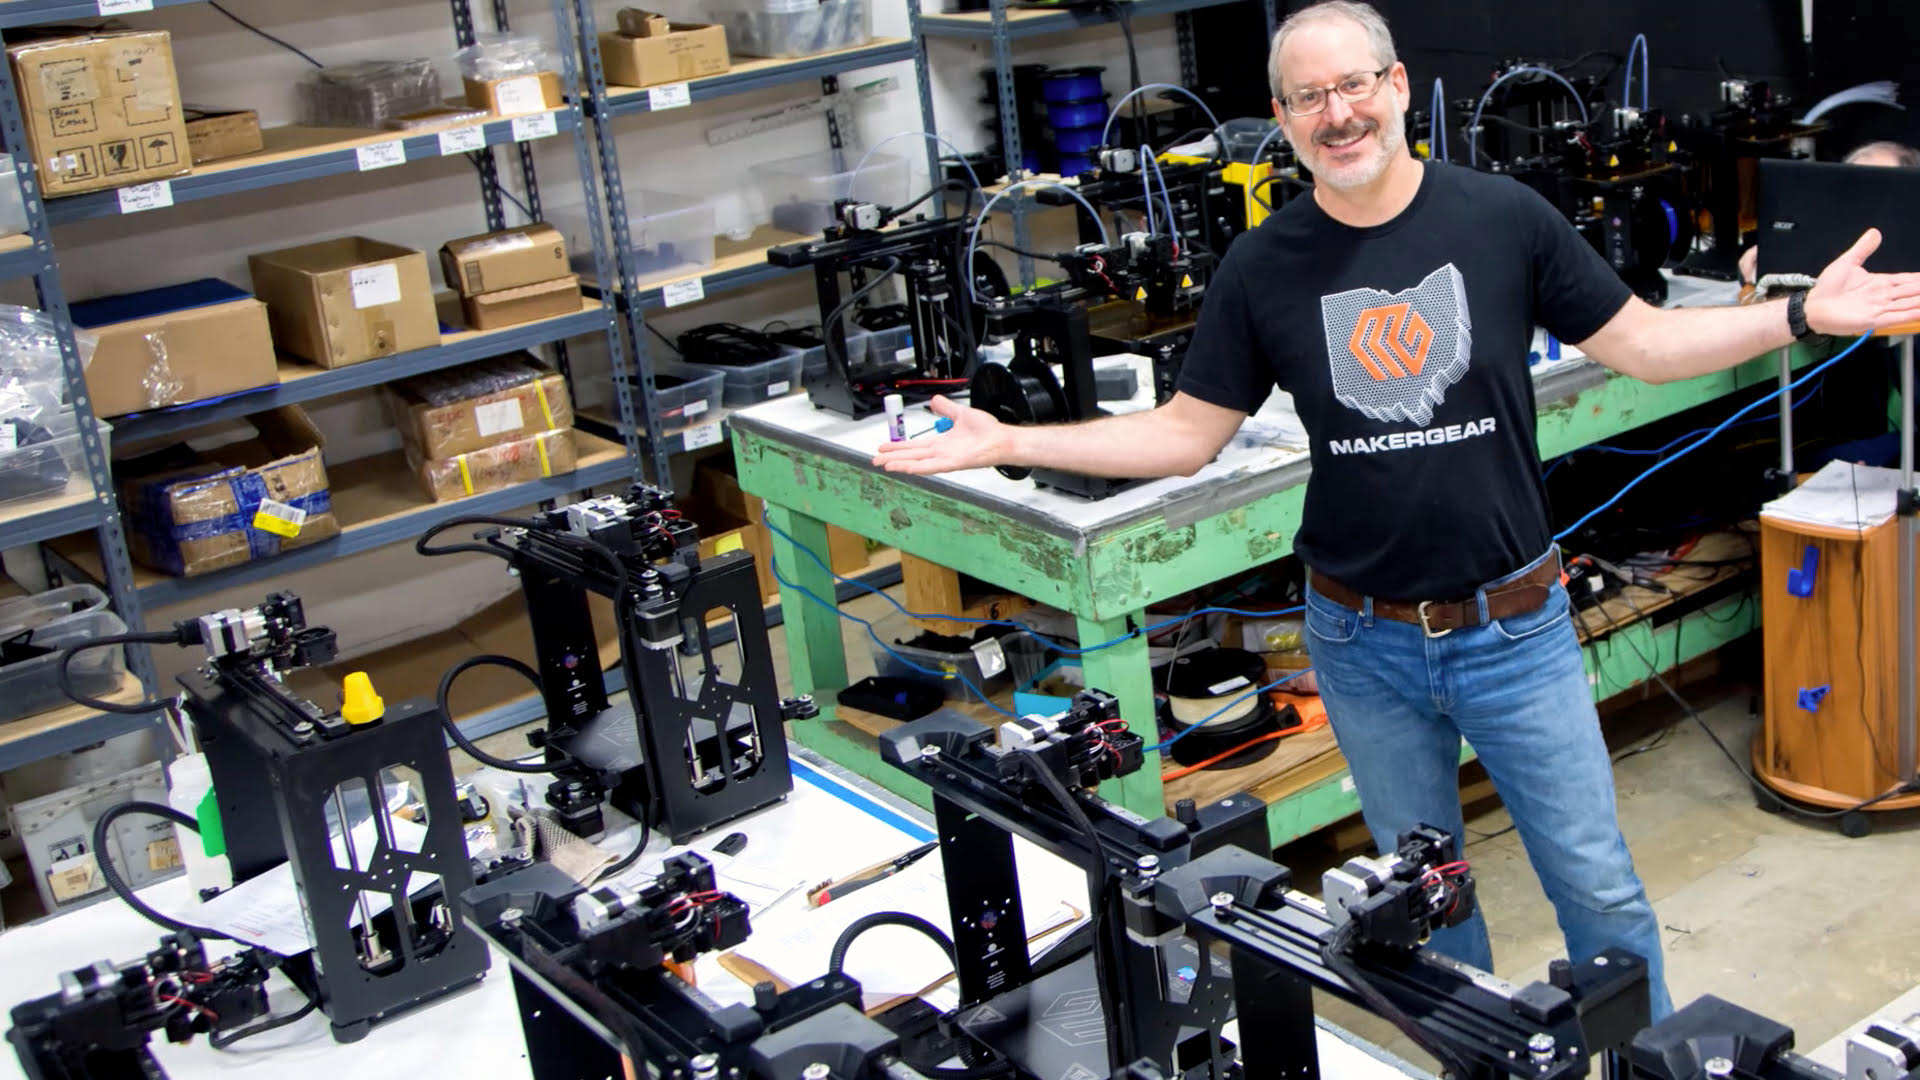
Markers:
point(1515, 689)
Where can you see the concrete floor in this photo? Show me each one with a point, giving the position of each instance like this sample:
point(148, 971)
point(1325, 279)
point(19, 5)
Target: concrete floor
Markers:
point(1781, 915)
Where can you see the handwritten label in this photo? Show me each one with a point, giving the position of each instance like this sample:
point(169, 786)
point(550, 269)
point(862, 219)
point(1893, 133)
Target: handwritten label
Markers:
point(537, 126)
point(521, 95)
point(703, 435)
point(498, 417)
point(463, 140)
point(381, 155)
point(671, 96)
point(121, 7)
point(137, 197)
point(375, 285)
point(683, 292)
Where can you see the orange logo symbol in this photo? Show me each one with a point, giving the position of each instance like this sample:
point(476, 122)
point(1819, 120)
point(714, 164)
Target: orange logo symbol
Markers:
point(1390, 341)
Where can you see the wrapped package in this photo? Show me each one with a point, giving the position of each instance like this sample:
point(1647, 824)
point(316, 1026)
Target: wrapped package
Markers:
point(509, 74)
point(367, 93)
point(548, 453)
point(503, 399)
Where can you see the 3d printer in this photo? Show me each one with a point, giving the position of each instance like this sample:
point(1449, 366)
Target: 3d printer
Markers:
point(1753, 120)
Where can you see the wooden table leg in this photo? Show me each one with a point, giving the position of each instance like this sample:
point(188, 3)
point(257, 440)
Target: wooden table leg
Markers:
point(1122, 670)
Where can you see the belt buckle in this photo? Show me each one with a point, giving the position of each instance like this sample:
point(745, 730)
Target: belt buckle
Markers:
point(1425, 627)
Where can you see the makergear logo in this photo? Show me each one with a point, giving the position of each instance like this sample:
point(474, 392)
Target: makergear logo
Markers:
point(1394, 354)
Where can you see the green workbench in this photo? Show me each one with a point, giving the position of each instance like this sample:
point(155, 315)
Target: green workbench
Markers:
point(813, 469)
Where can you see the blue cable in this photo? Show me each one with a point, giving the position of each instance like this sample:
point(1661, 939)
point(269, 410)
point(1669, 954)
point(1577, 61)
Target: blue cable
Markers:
point(1722, 426)
point(1656, 452)
point(1646, 76)
point(1166, 200)
point(1436, 129)
point(1203, 723)
point(1061, 647)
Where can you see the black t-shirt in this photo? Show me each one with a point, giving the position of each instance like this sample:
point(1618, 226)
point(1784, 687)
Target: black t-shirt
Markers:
point(1404, 346)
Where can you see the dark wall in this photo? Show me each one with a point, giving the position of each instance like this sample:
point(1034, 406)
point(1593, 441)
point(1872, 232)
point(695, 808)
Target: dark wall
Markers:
point(1690, 42)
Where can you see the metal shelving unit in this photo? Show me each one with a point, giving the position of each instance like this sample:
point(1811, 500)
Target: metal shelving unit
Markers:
point(1001, 26)
point(292, 155)
point(639, 414)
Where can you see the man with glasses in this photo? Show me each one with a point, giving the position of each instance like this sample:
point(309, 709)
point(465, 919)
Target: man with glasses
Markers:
point(1396, 305)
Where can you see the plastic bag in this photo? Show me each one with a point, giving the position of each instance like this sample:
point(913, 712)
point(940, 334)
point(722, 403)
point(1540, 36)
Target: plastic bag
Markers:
point(368, 93)
point(504, 56)
point(32, 382)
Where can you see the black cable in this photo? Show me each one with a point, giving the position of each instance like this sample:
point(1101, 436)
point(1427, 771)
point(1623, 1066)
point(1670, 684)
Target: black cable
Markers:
point(1097, 901)
point(1333, 952)
point(222, 1040)
point(826, 324)
point(301, 53)
point(1124, 17)
point(837, 959)
point(725, 344)
point(1021, 251)
point(63, 675)
point(631, 857)
point(459, 737)
point(103, 858)
point(420, 543)
point(501, 188)
point(669, 342)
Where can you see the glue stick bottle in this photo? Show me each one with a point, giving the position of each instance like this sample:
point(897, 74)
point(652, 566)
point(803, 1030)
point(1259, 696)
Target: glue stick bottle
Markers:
point(190, 791)
point(896, 407)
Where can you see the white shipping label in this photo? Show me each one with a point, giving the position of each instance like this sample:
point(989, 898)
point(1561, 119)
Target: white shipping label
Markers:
point(121, 7)
point(137, 197)
point(1234, 683)
point(671, 96)
point(992, 658)
point(463, 140)
point(775, 389)
point(375, 285)
point(381, 155)
point(9, 439)
point(497, 417)
point(521, 95)
point(683, 292)
point(703, 435)
point(693, 408)
point(538, 126)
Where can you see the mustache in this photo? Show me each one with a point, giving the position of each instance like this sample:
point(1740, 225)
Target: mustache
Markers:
point(1345, 132)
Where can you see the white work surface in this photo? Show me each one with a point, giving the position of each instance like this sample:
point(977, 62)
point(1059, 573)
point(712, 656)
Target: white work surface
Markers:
point(827, 827)
point(1903, 1010)
point(1268, 454)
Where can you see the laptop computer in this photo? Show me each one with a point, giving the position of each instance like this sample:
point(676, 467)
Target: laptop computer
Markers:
point(1811, 211)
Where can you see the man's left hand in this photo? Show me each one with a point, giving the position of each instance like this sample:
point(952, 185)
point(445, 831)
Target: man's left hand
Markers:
point(1849, 300)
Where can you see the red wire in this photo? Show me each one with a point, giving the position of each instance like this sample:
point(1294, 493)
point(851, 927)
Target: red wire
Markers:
point(196, 1006)
point(930, 382)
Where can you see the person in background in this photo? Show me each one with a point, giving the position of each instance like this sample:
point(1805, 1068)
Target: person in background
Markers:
point(1885, 154)
point(1396, 305)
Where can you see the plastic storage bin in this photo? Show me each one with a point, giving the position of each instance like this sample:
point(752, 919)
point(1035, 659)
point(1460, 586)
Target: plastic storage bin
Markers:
point(885, 346)
point(671, 235)
point(687, 394)
point(751, 384)
point(800, 191)
point(990, 662)
point(13, 210)
point(31, 686)
point(48, 608)
point(813, 363)
point(43, 457)
point(789, 28)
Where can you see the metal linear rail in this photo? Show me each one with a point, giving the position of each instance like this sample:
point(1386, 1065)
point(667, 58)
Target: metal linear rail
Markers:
point(767, 78)
point(322, 163)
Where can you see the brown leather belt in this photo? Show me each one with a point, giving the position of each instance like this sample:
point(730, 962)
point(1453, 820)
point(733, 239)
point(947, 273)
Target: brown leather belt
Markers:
point(1436, 617)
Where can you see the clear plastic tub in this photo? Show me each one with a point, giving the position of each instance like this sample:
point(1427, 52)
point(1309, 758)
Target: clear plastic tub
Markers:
point(800, 191)
point(44, 609)
point(887, 346)
point(13, 209)
point(789, 28)
point(751, 384)
point(31, 686)
point(813, 363)
point(43, 457)
point(670, 235)
point(991, 664)
point(687, 395)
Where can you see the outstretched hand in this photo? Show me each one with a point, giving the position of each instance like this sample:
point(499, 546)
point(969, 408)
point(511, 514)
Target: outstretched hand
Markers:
point(1848, 299)
point(975, 440)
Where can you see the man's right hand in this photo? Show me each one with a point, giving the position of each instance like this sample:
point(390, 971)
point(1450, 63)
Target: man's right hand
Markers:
point(975, 441)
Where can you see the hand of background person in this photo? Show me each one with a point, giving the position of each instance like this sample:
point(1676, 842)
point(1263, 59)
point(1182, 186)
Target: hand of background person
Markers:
point(1750, 265)
point(976, 440)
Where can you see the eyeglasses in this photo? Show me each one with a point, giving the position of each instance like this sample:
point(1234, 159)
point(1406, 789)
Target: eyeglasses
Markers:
point(1358, 86)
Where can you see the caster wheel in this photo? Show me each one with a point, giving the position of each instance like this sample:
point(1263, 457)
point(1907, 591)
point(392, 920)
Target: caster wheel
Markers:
point(1855, 825)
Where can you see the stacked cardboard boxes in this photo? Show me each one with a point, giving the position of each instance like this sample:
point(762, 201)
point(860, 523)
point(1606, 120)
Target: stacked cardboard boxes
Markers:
point(484, 426)
point(512, 276)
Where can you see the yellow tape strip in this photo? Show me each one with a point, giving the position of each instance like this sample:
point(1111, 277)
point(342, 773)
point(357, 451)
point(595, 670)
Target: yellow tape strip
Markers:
point(466, 478)
point(540, 391)
point(546, 466)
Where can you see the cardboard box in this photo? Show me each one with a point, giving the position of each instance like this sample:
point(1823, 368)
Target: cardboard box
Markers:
point(515, 95)
point(346, 300)
point(189, 512)
point(57, 832)
point(477, 405)
point(716, 482)
point(548, 453)
point(638, 22)
point(511, 307)
point(686, 51)
point(102, 110)
point(168, 346)
point(722, 531)
point(508, 259)
point(213, 134)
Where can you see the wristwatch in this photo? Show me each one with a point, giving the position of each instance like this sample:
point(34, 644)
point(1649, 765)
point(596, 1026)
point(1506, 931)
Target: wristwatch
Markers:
point(1797, 319)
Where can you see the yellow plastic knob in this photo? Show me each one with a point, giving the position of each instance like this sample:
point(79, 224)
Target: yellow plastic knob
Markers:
point(359, 704)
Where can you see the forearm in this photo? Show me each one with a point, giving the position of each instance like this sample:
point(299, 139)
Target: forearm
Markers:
point(1138, 445)
point(1682, 343)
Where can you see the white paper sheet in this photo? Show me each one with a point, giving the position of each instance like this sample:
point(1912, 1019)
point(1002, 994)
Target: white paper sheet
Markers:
point(1841, 495)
